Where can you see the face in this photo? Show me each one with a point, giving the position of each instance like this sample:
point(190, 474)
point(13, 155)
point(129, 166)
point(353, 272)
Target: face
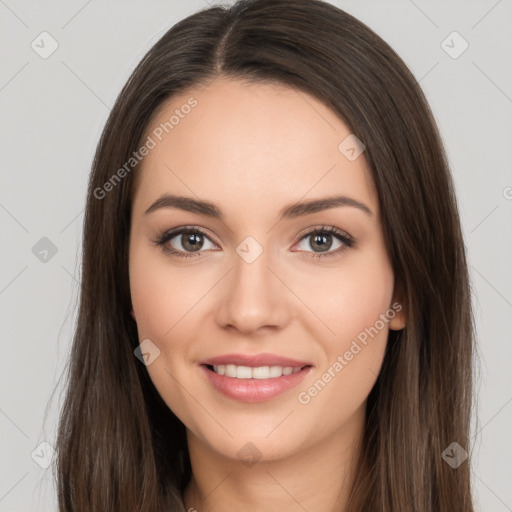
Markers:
point(251, 276)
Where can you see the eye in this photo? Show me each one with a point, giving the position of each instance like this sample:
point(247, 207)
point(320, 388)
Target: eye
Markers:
point(184, 242)
point(189, 242)
point(322, 239)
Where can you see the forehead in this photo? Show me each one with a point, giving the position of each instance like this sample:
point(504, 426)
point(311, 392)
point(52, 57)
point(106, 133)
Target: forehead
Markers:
point(251, 146)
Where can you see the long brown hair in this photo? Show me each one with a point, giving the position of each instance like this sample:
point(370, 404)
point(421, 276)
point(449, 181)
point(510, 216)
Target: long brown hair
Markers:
point(119, 446)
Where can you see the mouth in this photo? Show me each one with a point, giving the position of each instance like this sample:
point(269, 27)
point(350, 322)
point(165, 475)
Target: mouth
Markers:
point(254, 384)
point(257, 372)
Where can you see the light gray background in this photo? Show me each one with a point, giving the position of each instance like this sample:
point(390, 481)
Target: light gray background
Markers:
point(53, 111)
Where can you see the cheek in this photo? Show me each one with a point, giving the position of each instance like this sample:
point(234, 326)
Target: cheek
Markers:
point(163, 304)
point(354, 302)
point(348, 298)
point(161, 297)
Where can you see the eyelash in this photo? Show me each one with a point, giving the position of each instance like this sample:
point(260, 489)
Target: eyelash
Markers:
point(348, 241)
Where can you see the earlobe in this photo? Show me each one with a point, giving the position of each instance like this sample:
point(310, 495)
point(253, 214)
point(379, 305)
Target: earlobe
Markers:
point(133, 314)
point(399, 320)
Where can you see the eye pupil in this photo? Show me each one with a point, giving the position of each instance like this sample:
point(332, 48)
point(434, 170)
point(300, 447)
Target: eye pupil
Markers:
point(320, 241)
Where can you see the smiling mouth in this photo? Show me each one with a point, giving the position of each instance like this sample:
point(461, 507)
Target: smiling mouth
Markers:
point(258, 372)
point(252, 384)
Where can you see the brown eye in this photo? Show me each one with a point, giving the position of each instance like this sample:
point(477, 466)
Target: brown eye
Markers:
point(321, 241)
point(191, 241)
point(184, 242)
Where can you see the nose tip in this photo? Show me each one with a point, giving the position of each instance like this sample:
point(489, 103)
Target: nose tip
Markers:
point(252, 297)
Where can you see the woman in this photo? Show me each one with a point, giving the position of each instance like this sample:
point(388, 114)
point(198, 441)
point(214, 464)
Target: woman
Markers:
point(275, 311)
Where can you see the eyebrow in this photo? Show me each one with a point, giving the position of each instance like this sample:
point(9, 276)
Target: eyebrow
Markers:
point(291, 211)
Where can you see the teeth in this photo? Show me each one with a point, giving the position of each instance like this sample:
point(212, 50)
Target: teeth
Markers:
point(260, 372)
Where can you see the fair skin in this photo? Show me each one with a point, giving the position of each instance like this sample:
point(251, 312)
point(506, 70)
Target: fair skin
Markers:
point(253, 150)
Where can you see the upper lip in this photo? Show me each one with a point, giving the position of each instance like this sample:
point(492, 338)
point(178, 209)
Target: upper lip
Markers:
point(255, 360)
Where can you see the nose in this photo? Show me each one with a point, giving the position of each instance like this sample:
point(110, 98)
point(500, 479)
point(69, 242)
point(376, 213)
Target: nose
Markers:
point(253, 298)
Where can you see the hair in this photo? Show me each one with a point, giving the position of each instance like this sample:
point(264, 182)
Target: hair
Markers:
point(119, 446)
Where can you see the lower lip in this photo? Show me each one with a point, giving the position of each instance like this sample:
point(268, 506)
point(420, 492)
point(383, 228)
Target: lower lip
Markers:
point(254, 390)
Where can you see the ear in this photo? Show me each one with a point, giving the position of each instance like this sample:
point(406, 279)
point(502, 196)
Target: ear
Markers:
point(399, 321)
point(132, 313)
